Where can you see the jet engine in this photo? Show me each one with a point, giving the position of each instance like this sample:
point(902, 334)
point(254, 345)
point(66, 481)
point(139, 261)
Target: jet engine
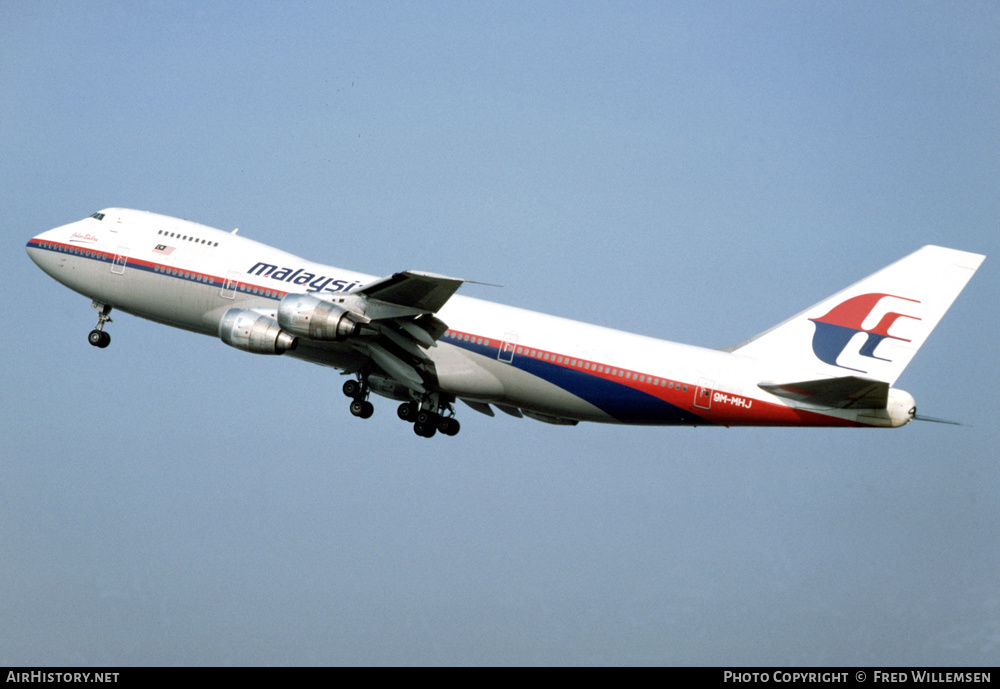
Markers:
point(308, 316)
point(253, 332)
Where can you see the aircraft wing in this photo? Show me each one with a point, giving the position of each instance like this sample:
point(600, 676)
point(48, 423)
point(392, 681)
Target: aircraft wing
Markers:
point(847, 392)
point(400, 309)
point(425, 292)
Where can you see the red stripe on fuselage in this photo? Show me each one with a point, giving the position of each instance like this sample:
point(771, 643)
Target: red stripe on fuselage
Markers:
point(726, 409)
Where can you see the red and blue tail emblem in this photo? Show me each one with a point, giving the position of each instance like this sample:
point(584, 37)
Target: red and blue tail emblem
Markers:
point(836, 329)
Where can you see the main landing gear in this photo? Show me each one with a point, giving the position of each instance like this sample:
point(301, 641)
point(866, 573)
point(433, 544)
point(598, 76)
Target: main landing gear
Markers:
point(428, 415)
point(358, 391)
point(97, 336)
point(428, 421)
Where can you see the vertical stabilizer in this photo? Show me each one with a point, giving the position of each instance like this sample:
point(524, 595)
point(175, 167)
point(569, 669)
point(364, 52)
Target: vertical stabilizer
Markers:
point(873, 328)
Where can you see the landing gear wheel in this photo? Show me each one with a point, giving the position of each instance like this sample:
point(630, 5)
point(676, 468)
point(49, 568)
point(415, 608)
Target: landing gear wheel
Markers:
point(449, 425)
point(407, 411)
point(352, 388)
point(431, 414)
point(362, 409)
point(427, 418)
point(97, 336)
point(424, 430)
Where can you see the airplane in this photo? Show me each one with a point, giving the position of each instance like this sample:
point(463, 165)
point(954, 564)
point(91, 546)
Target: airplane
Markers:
point(408, 337)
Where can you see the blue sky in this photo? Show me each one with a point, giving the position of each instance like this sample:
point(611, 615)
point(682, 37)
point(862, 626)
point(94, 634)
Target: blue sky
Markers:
point(691, 171)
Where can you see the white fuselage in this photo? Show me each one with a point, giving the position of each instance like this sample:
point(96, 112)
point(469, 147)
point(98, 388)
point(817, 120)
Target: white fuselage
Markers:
point(188, 275)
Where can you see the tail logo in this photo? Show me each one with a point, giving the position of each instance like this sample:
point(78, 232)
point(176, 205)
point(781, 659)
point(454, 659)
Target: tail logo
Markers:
point(836, 329)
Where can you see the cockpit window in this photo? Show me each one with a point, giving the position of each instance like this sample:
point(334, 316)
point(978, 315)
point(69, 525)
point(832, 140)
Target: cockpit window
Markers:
point(98, 216)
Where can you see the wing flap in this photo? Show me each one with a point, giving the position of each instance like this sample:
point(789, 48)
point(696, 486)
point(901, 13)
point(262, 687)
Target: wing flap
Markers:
point(400, 310)
point(481, 407)
point(847, 392)
point(397, 369)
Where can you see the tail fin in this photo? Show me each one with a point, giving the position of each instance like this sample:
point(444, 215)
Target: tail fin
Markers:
point(873, 328)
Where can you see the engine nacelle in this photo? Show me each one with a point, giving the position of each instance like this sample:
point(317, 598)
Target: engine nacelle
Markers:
point(308, 316)
point(253, 332)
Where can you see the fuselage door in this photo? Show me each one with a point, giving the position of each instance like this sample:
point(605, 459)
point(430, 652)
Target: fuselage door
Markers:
point(703, 393)
point(229, 286)
point(121, 258)
point(506, 353)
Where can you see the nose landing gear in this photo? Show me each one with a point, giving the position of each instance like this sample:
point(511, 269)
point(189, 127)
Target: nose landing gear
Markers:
point(97, 336)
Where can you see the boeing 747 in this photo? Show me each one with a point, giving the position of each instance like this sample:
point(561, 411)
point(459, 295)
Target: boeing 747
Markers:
point(410, 338)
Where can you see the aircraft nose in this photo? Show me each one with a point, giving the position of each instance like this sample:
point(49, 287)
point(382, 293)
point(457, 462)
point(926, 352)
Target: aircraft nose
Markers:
point(39, 251)
point(47, 249)
point(40, 241)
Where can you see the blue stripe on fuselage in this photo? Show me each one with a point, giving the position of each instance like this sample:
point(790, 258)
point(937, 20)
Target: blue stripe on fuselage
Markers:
point(617, 399)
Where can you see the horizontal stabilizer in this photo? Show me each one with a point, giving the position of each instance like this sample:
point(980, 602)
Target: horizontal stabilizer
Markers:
point(848, 392)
